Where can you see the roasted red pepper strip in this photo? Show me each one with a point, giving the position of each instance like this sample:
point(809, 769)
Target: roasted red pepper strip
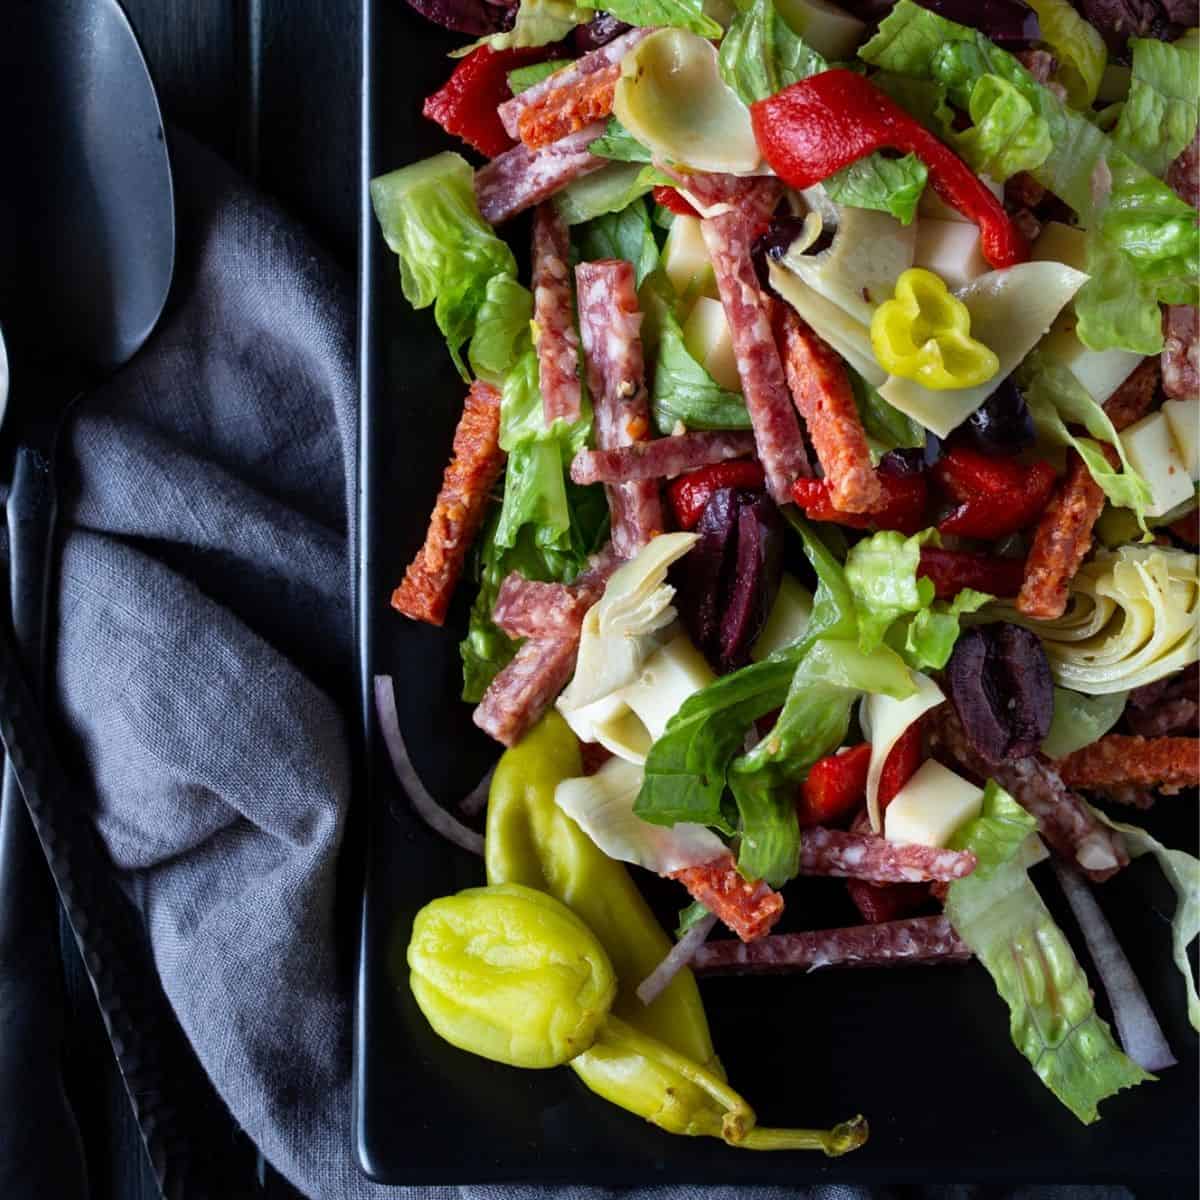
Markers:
point(835, 786)
point(901, 764)
point(902, 506)
point(997, 496)
point(690, 493)
point(465, 105)
point(671, 199)
point(814, 128)
point(953, 570)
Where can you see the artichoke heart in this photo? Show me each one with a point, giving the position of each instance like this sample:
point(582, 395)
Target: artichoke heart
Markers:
point(672, 98)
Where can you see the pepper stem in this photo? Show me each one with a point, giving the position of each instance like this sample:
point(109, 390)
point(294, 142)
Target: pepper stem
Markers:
point(841, 1139)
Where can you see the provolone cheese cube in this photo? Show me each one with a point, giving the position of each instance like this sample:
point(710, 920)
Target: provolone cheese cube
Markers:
point(685, 257)
point(950, 249)
point(1184, 418)
point(931, 806)
point(1061, 243)
point(1152, 453)
point(669, 677)
point(708, 340)
point(1100, 371)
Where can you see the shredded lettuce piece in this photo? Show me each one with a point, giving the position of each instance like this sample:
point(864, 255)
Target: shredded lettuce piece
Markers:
point(1160, 115)
point(618, 143)
point(1080, 720)
point(521, 79)
point(692, 915)
point(448, 253)
point(931, 633)
point(1055, 397)
point(997, 911)
point(890, 185)
point(501, 329)
point(1078, 46)
point(682, 14)
point(1144, 242)
point(627, 234)
point(1006, 135)
point(608, 190)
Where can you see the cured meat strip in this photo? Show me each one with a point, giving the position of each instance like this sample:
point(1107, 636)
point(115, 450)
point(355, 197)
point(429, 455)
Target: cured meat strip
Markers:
point(911, 942)
point(1064, 820)
point(565, 110)
point(557, 341)
point(524, 689)
point(776, 429)
point(1117, 760)
point(609, 323)
point(568, 90)
point(473, 469)
point(870, 857)
point(750, 909)
point(1181, 352)
point(822, 393)
point(660, 458)
point(1166, 706)
point(527, 608)
point(520, 178)
point(756, 197)
point(1183, 175)
point(1063, 535)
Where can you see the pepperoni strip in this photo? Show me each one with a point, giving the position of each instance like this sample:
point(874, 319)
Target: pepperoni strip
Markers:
point(749, 909)
point(1116, 760)
point(609, 323)
point(1063, 535)
point(875, 859)
point(823, 396)
point(660, 458)
point(524, 689)
point(912, 942)
point(554, 317)
point(554, 98)
point(1064, 820)
point(477, 461)
point(776, 429)
point(520, 178)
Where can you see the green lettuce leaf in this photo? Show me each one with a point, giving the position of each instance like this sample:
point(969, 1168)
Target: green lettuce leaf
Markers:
point(684, 391)
point(1078, 46)
point(1006, 135)
point(627, 234)
point(521, 79)
point(1057, 400)
point(1159, 118)
point(891, 185)
point(538, 23)
point(882, 573)
point(1144, 243)
point(1080, 720)
point(501, 334)
point(929, 635)
point(618, 143)
point(448, 253)
point(997, 911)
point(692, 915)
point(608, 190)
point(682, 14)
point(886, 427)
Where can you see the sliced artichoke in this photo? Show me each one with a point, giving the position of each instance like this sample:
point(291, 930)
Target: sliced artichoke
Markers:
point(672, 98)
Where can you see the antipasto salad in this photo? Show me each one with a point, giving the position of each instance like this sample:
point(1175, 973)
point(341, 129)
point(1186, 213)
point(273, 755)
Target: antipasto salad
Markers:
point(828, 495)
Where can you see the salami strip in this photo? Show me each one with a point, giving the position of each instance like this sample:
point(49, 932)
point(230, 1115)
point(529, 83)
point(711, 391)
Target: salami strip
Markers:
point(429, 582)
point(749, 909)
point(912, 942)
point(1116, 760)
point(1064, 820)
point(1184, 173)
point(660, 458)
point(756, 197)
point(520, 178)
point(568, 90)
point(1181, 352)
point(554, 316)
point(822, 393)
point(875, 859)
point(609, 323)
point(526, 608)
point(1135, 397)
point(776, 429)
point(524, 689)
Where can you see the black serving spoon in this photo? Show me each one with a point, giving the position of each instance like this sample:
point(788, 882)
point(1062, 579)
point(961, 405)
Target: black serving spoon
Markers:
point(91, 201)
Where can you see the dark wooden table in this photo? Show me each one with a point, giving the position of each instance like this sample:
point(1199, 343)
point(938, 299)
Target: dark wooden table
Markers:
point(272, 85)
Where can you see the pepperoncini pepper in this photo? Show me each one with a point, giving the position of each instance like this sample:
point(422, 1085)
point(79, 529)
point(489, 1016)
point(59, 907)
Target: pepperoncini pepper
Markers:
point(511, 973)
point(924, 333)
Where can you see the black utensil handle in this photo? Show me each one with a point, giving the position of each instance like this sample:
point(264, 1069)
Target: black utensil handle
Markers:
point(41, 1152)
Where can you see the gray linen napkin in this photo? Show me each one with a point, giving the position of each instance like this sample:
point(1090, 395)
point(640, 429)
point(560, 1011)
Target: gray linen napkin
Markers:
point(204, 623)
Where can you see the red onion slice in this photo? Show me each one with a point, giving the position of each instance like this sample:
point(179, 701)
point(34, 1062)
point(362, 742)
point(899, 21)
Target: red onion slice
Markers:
point(681, 954)
point(475, 801)
point(428, 809)
point(1141, 1035)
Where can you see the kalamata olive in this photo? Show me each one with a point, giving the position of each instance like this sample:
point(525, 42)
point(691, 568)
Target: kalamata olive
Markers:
point(999, 683)
point(754, 581)
point(468, 16)
point(780, 234)
point(1002, 424)
point(1006, 22)
point(699, 577)
point(599, 31)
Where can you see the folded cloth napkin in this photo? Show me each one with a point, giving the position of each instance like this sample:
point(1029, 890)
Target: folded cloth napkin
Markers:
point(204, 627)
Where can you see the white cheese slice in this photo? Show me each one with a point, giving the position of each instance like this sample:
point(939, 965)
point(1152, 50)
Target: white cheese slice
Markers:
point(708, 340)
point(1152, 453)
point(1011, 311)
point(828, 29)
point(950, 249)
point(669, 677)
point(1100, 371)
point(1061, 243)
point(685, 257)
point(931, 806)
point(883, 720)
point(787, 620)
point(1184, 418)
point(624, 735)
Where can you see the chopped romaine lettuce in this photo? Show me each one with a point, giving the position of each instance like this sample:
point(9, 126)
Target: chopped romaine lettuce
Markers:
point(618, 143)
point(997, 911)
point(522, 79)
point(890, 185)
point(627, 234)
point(501, 334)
point(1160, 115)
point(683, 14)
point(887, 428)
point(1006, 135)
point(608, 190)
point(931, 633)
point(1080, 720)
point(1078, 47)
point(448, 253)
